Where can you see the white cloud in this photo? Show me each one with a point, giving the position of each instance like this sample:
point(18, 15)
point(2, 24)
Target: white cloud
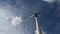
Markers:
point(16, 20)
point(43, 32)
point(58, 0)
point(49, 0)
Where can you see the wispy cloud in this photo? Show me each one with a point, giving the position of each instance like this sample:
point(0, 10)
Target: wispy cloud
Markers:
point(43, 32)
point(16, 20)
point(49, 0)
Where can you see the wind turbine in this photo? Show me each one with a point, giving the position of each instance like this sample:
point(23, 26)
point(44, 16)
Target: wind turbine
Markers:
point(38, 29)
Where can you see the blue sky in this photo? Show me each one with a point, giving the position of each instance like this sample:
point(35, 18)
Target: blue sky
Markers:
point(15, 16)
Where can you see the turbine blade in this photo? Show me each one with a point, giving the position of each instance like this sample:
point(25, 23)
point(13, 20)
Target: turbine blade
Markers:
point(39, 13)
point(36, 14)
point(32, 16)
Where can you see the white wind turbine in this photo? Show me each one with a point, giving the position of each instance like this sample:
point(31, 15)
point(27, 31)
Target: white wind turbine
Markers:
point(38, 29)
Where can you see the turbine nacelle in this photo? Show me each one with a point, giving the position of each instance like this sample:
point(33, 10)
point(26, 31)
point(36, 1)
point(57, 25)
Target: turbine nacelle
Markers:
point(36, 14)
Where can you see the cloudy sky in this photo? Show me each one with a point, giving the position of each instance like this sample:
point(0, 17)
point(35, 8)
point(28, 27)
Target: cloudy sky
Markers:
point(15, 16)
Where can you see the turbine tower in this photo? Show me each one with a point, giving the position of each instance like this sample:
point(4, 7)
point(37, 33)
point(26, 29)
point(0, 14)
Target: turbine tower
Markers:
point(38, 29)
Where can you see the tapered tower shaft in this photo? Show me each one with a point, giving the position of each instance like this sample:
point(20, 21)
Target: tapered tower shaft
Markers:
point(38, 29)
